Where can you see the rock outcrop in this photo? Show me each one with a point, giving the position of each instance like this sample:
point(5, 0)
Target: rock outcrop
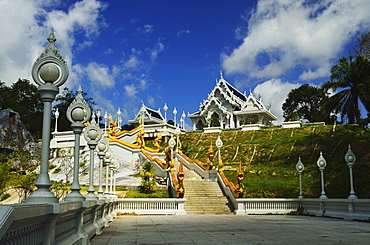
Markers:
point(13, 133)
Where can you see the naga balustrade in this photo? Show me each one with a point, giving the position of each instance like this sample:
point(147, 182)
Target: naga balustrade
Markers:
point(198, 167)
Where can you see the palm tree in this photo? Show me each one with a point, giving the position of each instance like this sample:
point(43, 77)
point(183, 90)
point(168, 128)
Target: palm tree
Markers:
point(352, 75)
point(148, 183)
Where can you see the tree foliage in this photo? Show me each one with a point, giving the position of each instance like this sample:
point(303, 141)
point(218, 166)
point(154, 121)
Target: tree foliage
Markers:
point(352, 77)
point(4, 177)
point(147, 173)
point(306, 102)
point(24, 98)
point(363, 45)
point(24, 184)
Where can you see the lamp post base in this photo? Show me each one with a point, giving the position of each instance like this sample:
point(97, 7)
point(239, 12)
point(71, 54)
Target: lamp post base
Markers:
point(322, 197)
point(74, 196)
point(91, 197)
point(352, 196)
point(42, 196)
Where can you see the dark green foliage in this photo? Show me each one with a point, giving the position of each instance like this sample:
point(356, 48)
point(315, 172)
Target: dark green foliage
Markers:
point(269, 157)
point(4, 177)
point(147, 173)
point(24, 98)
point(306, 102)
point(352, 77)
point(24, 184)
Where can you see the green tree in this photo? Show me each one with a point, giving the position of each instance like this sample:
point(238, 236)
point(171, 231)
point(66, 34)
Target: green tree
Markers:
point(24, 184)
point(306, 102)
point(4, 96)
point(63, 100)
point(4, 177)
point(362, 46)
point(352, 77)
point(22, 160)
point(59, 188)
point(147, 173)
point(24, 98)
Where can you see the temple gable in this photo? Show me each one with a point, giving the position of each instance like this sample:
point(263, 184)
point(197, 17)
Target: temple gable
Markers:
point(227, 107)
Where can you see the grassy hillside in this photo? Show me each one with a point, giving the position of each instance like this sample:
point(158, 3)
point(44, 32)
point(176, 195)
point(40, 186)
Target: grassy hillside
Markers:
point(269, 157)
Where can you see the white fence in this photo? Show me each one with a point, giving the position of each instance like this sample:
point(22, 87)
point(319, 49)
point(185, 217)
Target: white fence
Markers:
point(58, 223)
point(173, 206)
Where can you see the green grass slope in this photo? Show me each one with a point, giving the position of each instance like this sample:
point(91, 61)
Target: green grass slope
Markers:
point(269, 157)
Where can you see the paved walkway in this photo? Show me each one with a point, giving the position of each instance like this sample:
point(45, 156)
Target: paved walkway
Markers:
point(231, 229)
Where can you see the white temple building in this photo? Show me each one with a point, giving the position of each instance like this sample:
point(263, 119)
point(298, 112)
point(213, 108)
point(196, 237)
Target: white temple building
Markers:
point(154, 122)
point(228, 108)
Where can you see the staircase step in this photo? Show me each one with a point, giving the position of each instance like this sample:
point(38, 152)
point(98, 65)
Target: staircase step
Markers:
point(205, 197)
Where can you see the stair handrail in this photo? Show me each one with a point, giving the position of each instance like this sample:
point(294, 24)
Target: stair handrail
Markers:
point(174, 184)
point(198, 168)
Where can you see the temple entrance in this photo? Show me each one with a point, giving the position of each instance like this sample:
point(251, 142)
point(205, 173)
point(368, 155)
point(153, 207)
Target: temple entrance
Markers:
point(199, 125)
point(215, 120)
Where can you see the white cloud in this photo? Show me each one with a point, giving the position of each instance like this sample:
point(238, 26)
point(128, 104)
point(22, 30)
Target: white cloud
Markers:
point(25, 26)
point(182, 33)
point(100, 75)
point(285, 34)
point(146, 30)
point(150, 101)
point(159, 47)
point(274, 92)
point(130, 90)
point(132, 62)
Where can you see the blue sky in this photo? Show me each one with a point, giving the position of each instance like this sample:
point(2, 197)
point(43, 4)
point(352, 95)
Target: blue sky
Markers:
point(125, 52)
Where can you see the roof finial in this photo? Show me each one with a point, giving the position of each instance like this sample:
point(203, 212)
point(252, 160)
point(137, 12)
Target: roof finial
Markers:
point(221, 75)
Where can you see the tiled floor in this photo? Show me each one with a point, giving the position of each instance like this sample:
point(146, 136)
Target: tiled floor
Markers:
point(232, 229)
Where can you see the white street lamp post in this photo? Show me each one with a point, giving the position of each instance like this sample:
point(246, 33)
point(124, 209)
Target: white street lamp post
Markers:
point(98, 114)
point(78, 112)
point(172, 144)
point(108, 155)
point(174, 115)
point(300, 167)
point(111, 176)
point(219, 144)
point(92, 135)
point(321, 163)
point(105, 122)
point(50, 71)
point(56, 114)
point(183, 119)
point(350, 159)
point(103, 148)
point(165, 108)
point(119, 119)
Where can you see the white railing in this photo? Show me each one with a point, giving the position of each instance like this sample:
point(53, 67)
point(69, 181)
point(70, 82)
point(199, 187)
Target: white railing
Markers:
point(173, 206)
point(266, 205)
point(58, 223)
point(358, 209)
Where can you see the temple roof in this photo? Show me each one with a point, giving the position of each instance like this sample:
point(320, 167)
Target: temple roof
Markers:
point(227, 93)
point(150, 115)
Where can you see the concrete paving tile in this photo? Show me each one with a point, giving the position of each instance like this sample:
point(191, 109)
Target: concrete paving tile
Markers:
point(230, 229)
